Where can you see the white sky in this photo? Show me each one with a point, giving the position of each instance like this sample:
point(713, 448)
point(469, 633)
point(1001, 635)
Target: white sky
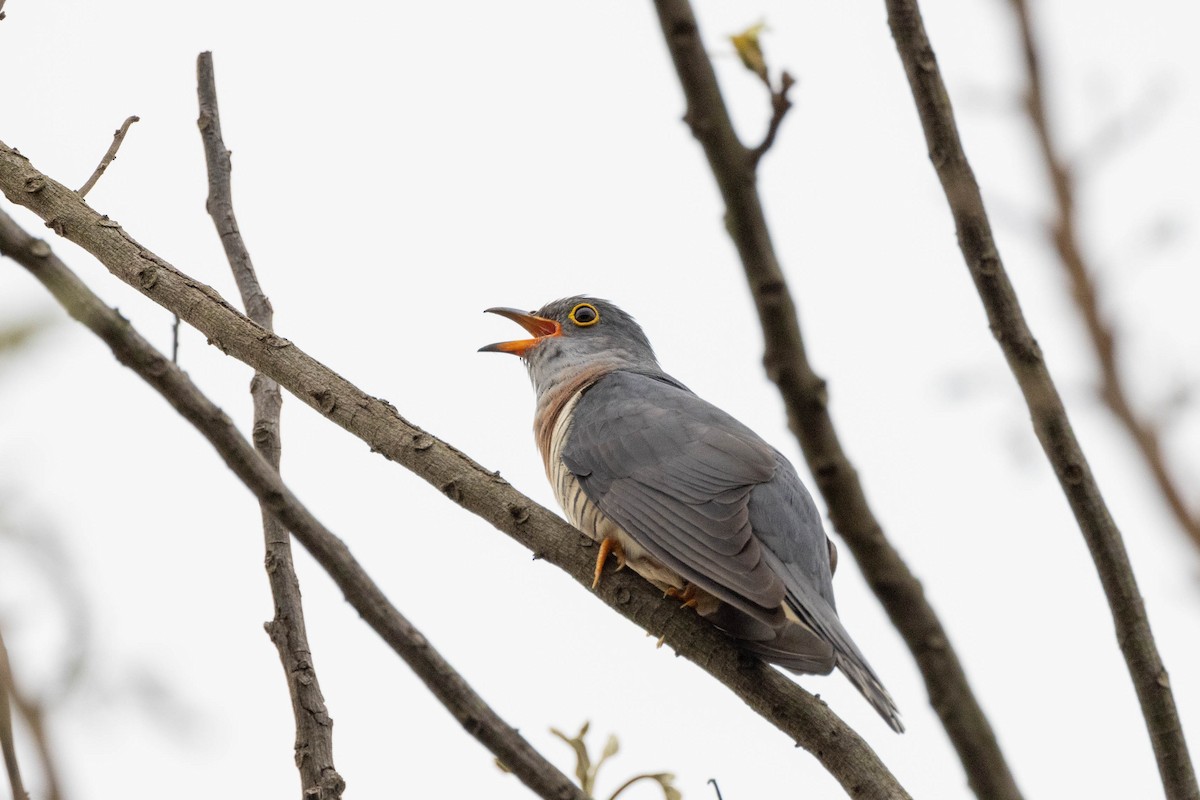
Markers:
point(399, 168)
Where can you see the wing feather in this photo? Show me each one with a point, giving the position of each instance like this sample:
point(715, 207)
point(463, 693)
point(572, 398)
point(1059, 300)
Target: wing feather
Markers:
point(717, 505)
point(676, 474)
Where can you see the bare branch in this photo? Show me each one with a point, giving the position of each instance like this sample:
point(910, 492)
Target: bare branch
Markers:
point(1125, 127)
point(780, 105)
point(314, 727)
point(109, 156)
point(1046, 409)
point(805, 396)
point(7, 744)
point(786, 705)
point(263, 480)
point(1085, 292)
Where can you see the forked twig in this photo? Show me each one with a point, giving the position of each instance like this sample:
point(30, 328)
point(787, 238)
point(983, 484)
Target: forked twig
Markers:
point(314, 727)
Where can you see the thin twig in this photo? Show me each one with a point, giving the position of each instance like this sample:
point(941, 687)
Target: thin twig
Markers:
point(1047, 413)
point(804, 718)
point(314, 727)
point(1065, 236)
point(110, 156)
point(175, 340)
point(7, 742)
point(645, 776)
point(805, 396)
point(780, 105)
point(263, 480)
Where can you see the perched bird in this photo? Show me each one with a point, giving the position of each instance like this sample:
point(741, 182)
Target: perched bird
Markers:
point(681, 492)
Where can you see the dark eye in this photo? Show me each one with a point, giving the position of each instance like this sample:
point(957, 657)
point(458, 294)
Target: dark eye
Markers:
point(584, 314)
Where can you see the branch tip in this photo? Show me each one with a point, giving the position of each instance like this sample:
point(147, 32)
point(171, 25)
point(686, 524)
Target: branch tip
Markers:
point(110, 155)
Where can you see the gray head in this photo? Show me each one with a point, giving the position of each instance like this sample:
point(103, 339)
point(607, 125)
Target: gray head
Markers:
point(576, 335)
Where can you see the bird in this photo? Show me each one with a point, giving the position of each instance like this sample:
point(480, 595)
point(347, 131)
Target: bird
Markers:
point(682, 493)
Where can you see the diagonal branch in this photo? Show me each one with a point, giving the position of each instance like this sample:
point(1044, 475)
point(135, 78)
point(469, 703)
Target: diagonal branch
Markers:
point(804, 394)
point(263, 480)
point(1085, 292)
point(804, 718)
point(110, 155)
point(1048, 415)
point(319, 778)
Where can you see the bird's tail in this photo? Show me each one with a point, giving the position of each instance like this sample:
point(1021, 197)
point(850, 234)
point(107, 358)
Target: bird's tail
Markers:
point(854, 667)
point(813, 612)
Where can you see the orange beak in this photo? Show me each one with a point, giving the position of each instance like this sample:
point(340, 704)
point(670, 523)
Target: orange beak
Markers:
point(540, 328)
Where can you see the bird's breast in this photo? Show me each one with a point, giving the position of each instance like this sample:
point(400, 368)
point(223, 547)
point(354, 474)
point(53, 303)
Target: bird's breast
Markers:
point(585, 514)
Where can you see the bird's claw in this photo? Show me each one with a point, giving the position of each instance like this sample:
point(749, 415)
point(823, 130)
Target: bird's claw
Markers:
point(688, 594)
point(608, 546)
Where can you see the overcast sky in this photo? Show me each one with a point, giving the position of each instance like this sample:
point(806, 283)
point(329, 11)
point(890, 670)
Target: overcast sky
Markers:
point(400, 167)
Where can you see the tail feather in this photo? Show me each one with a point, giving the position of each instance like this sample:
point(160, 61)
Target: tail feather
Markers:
point(813, 613)
point(865, 680)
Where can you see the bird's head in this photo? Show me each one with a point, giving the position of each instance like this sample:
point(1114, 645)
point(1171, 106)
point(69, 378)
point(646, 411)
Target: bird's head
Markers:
point(576, 334)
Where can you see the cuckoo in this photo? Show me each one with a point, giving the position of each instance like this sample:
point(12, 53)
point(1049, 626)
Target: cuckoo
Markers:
point(682, 493)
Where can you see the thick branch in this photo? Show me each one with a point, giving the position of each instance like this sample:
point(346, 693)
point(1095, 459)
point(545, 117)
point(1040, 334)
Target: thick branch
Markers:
point(319, 778)
point(794, 711)
point(1046, 409)
point(1085, 292)
point(804, 394)
point(263, 480)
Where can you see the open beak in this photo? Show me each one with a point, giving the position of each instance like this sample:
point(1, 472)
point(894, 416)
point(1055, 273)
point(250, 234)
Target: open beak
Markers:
point(540, 327)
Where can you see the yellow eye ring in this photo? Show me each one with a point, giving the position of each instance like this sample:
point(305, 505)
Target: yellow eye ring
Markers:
point(589, 315)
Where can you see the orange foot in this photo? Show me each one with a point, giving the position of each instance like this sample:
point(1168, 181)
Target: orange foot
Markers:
point(608, 546)
point(688, 594)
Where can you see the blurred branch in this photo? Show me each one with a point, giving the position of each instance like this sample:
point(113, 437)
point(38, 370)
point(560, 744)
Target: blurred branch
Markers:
point(1065, 236)
point(7, 743)
point(805, 396)
point(1123, 128)
point(109, 156)
point(17, 334)
point(34, 716)
point(314, 728)
point(786, 705)
point(780, 105)
point(1047, 413)
point(263, 480)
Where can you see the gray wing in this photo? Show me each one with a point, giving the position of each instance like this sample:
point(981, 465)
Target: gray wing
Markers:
point(678, 475)
point(712, 501)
